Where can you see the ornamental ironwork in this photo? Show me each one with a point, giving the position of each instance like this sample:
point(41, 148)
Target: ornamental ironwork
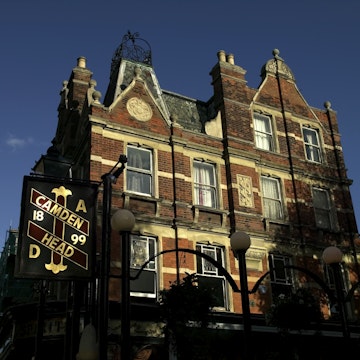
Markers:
point(134, 48)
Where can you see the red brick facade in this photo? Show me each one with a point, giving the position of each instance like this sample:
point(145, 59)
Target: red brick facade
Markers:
point(220, 132)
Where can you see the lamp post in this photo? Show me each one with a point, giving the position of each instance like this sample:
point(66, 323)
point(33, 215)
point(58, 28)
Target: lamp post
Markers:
point(123, 221)
point(108, 179)
point(332, 256)
point(240, 242)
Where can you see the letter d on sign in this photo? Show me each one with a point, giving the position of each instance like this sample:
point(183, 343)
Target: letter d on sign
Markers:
point(34, 251)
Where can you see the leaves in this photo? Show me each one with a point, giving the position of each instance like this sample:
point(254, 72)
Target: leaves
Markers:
point(299, 310)
point(186, 310)
point(186, 302)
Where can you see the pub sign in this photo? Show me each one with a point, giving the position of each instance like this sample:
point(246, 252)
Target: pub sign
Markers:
point(57, 229)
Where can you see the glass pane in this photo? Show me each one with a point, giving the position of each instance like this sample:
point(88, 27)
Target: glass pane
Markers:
point(312, 146)
point(139, 158)
point(139, 252)
point(205, 196)
point(145, 285)
point(323, 219)
point(320, 199)
point(272, 209)
point(312, 153)
point(204, 184)
point(216, 288)
point(310, 137)
point(208, 267)
point(280, 274)
point(263, 132)
point(204, 173)
point(138, 182)
point(322, 208)
point(263, 141)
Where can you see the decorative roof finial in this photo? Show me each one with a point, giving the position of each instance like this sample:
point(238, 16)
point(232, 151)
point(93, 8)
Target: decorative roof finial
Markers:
point(276, 53)
point(134, 48)
point(327, 105)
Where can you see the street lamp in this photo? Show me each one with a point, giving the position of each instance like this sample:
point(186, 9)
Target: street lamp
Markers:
point(332, 256)
point(108, 179)
point(240, 242)
point(123, 221)
point(53, 164)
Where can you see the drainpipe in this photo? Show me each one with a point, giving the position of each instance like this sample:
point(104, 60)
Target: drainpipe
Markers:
point(175, 226)
point(298, 214)
point(327, 105)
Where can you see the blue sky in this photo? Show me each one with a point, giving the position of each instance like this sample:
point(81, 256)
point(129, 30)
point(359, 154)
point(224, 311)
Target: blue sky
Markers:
point(41, 40)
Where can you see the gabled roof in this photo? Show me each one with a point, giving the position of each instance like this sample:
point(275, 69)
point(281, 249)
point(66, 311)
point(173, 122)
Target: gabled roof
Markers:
point(190, 113)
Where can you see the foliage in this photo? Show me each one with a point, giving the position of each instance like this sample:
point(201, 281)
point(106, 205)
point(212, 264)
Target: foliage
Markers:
point(186, 302)
point(297, 311)
point(186, 310)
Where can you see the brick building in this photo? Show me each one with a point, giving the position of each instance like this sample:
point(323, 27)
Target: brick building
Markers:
point(258, 160)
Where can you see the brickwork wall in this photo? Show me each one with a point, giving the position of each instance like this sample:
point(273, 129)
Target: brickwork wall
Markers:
point(170, 211)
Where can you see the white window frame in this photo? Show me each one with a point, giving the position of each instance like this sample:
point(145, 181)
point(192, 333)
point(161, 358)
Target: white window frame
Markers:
point(142, 249)
point(312, 145)
point(139, 177)
point(323, 211)
point(282, 280)
point(205, 187)
point(272, 202)
point(207, 270)
point(264, 138)
point(330, 281)
point(275, 259)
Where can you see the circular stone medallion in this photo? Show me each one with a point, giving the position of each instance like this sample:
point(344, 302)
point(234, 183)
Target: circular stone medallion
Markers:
point(139, 109)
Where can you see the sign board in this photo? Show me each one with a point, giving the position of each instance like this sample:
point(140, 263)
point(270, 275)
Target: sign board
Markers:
point(57, 229)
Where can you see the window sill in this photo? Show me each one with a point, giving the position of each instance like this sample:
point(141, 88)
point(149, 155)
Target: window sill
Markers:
point(141, 203)
point(210, 216)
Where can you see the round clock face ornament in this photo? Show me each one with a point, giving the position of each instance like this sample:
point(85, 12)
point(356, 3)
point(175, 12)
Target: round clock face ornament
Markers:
point(139, 109)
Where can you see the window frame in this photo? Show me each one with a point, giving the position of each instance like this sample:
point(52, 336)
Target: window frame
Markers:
point(330, 281)
point(321, 211)
point(209, 273)
point(287, 279)
point(260, 135)
point(143, 173)
point(150, 271)
point(313, 151)
point(269, 202)
point(207, 190)
point(280, 286)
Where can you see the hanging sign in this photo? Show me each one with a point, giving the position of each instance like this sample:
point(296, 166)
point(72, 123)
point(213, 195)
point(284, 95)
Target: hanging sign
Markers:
point(57, 229)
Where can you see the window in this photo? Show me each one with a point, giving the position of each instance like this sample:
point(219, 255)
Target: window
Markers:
point(312, 145)
point(322, 208)
point(139, 170)
point(263, 132)
point(143, 248)
point(330, 280)
point(204, 184)
point(209, 275)
point(281, 277)
point(330, 277)
point(271, 198)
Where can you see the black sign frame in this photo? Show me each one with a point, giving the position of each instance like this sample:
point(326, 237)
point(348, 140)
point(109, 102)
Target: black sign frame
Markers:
point(57, 235)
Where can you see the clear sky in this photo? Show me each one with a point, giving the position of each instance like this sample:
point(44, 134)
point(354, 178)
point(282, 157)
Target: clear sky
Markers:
point(41, 40)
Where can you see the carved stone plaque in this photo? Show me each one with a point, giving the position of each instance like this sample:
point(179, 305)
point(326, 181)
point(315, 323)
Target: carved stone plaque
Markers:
point(139, 109)
point(245, 191)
